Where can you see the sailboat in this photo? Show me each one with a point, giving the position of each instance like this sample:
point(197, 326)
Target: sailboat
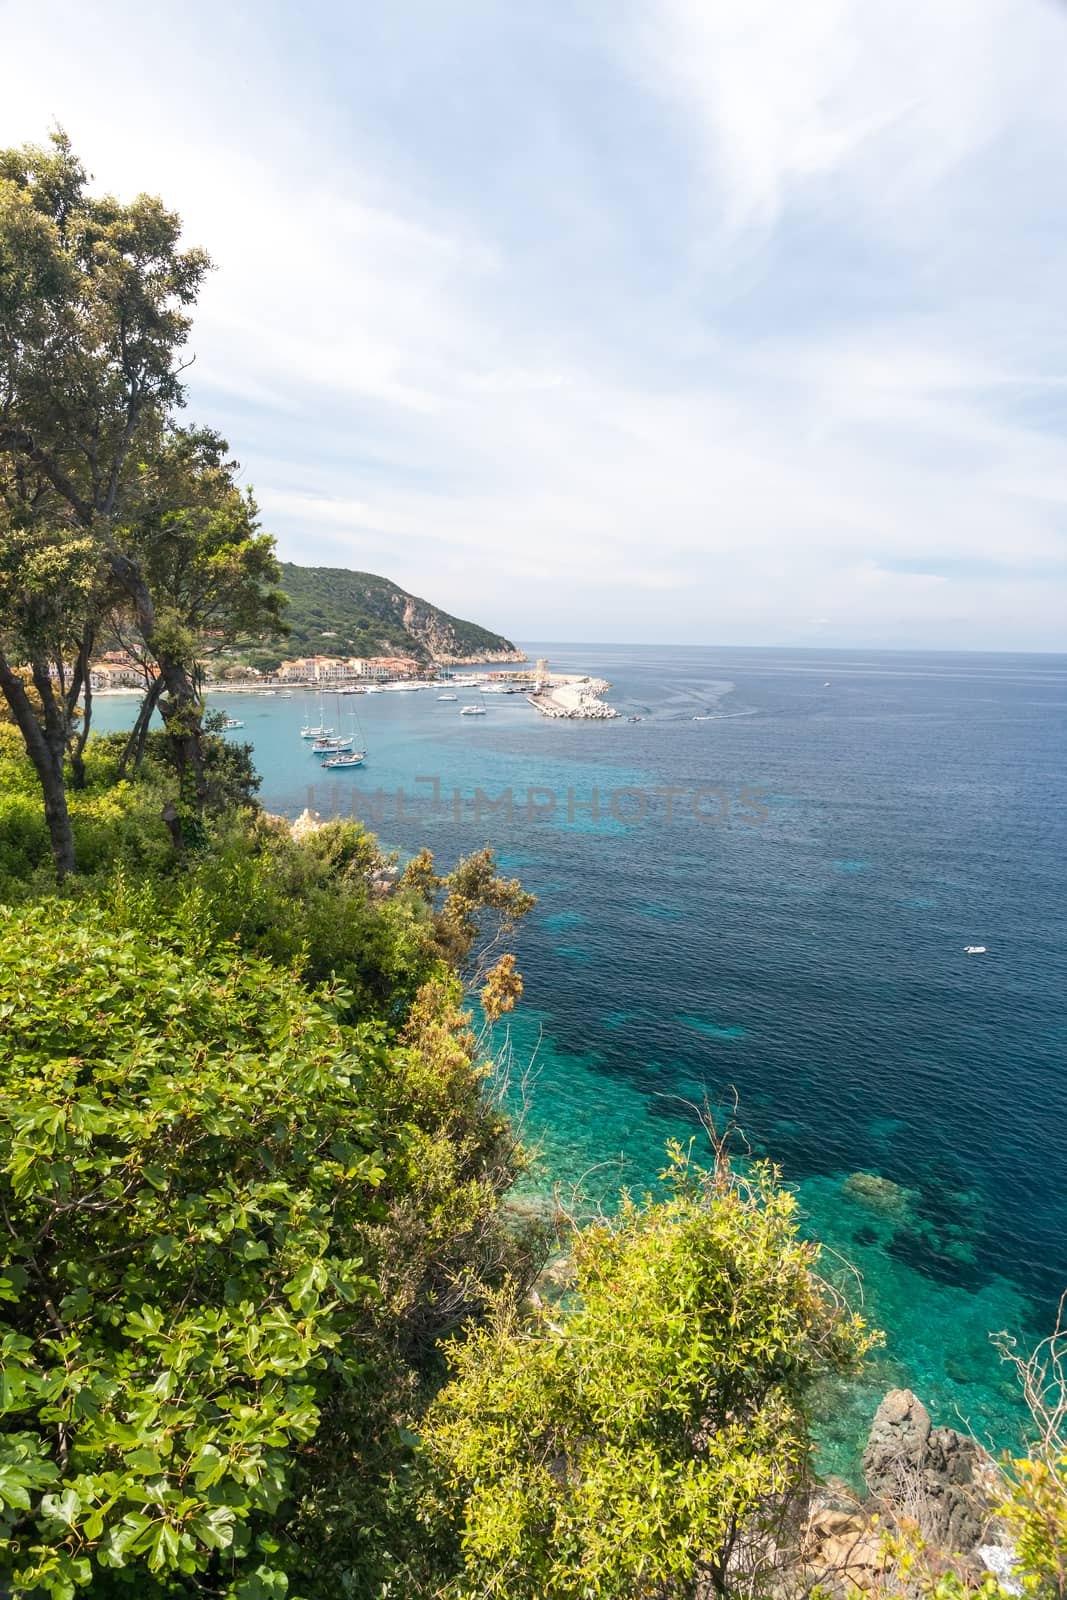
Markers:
point(346, 758)
point(342, 753)
point(321, 732)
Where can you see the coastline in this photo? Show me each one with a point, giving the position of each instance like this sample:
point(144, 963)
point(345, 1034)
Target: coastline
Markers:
point(737, 930)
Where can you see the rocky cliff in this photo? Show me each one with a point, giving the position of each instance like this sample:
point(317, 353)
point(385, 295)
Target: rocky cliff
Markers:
point(334, 611)
point(448, 641)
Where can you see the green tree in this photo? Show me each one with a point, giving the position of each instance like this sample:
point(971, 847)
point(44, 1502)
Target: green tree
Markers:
point(94, 313)
point(211, 572)
point(653, 1435)
point(50, 597)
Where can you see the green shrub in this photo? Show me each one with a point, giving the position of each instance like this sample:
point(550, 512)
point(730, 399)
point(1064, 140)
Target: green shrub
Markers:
point(236, 1229)
point(232, 781)
point(657, 1432)
point(114, 824)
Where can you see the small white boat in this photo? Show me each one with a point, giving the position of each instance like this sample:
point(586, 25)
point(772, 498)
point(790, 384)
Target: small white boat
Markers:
point(331, 747)
point(473, 711)
point(316, 733)
point(826, 685)
point(353, 758)
point(446, 697)
point(373, 688)
point(232, 722)
point(974, 949)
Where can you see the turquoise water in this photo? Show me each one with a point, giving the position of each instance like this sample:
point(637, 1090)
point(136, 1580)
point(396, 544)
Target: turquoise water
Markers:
point(783, 919)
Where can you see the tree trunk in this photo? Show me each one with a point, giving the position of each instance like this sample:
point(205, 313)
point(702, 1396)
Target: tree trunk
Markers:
point(45, 748)
point(181, 717)
point(80, 688)
point(181, 707)
point(135, 744)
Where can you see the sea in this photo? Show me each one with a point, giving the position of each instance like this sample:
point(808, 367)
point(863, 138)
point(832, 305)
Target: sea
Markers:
point(755, 893)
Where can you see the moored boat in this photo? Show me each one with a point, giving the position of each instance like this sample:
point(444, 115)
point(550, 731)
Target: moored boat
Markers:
point(351, 758)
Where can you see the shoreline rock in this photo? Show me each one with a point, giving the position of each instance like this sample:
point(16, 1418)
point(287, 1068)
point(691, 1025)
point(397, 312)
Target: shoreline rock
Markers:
point(937, 1481)
point(938, 1478)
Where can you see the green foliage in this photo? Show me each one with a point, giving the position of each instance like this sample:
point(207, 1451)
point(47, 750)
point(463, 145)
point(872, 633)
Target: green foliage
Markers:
point(115, 825)
point(186, 1160)
point(333, 611)
point(232, 780)
point(236, 1230)
point(308, 906)
point(213, 576)
point(93, 304)
point(1034, 1507)
point(49, 578)
point(656, 1431)
point(913, 1571)
point(95, 299)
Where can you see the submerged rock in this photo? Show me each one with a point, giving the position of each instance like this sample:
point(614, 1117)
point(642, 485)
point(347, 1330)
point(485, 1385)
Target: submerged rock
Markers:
point(879, 1194)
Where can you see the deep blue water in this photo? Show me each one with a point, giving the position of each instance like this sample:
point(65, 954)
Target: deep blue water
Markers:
point(802, 946)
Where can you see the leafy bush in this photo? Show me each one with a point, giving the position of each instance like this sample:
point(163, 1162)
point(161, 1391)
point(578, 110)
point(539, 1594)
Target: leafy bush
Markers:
point(232, 780)
point(1035, 1511)
point(114, 825)
point(659, 1429)
point(236, 1228)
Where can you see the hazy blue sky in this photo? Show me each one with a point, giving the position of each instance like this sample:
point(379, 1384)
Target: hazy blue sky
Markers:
point(737, 321)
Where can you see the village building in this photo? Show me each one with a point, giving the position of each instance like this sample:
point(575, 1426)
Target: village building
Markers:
point(106, 674)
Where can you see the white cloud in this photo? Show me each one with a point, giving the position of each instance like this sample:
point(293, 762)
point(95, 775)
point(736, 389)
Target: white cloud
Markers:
point(889, 99)
point(808, 362)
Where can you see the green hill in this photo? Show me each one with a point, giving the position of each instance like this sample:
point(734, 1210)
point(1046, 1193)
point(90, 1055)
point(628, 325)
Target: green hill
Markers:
point(333, 611)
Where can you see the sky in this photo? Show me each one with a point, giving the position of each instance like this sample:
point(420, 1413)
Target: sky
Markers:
point(685, 321)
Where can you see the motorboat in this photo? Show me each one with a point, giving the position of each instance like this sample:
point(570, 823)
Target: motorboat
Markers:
point(473, 711)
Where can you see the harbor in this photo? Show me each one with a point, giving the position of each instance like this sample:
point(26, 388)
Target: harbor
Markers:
point(574, 698)
point(559, 695)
